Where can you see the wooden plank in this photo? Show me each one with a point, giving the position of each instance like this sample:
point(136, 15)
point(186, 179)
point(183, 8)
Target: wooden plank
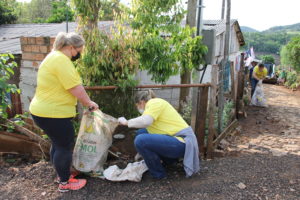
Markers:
point(44, 144)
point(149, 86)
point(228, 130)
point(194, 108)
point(212, 109)
point(16, 143)
point(201, 117)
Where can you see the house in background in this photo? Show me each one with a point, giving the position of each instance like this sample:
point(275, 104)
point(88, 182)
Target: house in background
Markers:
point(30, 43)
point(214, 38)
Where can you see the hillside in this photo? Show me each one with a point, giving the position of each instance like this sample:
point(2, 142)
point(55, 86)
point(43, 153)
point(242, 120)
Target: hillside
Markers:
point(246, 29)
point(271, 40)
point(288, 28)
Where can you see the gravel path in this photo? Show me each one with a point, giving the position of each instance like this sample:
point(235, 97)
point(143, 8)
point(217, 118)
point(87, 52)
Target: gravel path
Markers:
point(262, 162)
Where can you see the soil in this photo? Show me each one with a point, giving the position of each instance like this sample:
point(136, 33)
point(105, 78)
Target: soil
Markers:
point(261, 161)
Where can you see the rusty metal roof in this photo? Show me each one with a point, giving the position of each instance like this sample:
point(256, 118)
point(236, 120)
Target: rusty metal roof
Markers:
point(10, 34)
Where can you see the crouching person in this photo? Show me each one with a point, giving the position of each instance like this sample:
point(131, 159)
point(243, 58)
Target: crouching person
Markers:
point(163, 135)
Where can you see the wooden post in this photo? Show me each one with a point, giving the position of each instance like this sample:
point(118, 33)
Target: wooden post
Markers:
point(212, 109)
point(241, 85)
point(233, 91)
point(232, 76)
point(201, 117)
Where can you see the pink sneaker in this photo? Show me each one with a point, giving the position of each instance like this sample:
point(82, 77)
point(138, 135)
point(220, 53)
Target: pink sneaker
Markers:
point(72, 184)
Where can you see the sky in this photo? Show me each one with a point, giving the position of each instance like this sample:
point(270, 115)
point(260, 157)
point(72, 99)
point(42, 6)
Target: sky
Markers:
point(257, 14)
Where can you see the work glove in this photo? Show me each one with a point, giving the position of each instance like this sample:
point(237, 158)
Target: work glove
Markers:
point(123, 121)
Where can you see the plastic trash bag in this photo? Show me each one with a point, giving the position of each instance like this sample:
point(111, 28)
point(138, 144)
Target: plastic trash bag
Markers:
point(258, 98)
point(93, 141)
point(133, 172)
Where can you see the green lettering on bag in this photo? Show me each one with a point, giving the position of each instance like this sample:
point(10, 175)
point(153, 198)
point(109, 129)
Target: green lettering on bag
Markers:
point(88, 148)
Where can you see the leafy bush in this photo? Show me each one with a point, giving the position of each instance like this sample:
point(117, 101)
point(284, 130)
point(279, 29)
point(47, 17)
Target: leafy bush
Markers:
point(227, 114)
point(6, 70)
point(292, 80)
point(292, 53)
point(268, 59)
point(111, 60)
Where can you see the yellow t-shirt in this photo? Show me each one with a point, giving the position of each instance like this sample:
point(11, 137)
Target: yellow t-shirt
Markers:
point(52, 99)
point(260, 74)
point(166, 119)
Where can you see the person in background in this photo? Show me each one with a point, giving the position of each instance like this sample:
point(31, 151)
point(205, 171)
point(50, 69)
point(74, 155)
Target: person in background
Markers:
point(163, 135)
point(282, 77)
point(251, 67)
point(259, 73)
point(53, 106)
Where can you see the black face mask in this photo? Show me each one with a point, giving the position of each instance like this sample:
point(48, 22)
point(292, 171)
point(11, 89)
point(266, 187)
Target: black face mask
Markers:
point(76, 57)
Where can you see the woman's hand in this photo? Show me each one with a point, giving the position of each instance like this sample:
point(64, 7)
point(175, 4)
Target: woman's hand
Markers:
point(92, 106)
point(123, 121)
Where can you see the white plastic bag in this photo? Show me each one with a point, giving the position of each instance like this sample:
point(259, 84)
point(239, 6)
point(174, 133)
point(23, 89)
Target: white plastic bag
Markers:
point(133, 172)
point(93, 142)
point(258, 98)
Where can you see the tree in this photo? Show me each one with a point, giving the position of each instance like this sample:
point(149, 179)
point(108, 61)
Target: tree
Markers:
point(165, 48)
point(268, 42)
point(109, 9)
point(60, 11)
point(268, 59)
point(284, 56)
point(107, 59)
point(36, 11)
point(8, 13)
point(293, 53)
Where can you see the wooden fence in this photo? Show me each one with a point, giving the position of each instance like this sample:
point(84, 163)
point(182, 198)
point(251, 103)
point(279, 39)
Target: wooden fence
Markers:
point(200, 113)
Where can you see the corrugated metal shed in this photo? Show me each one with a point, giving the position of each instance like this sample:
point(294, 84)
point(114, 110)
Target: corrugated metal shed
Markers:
point(220, 27)
point(10, 34)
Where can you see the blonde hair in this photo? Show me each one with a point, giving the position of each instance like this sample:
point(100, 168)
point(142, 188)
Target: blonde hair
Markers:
point(144, 96)
point(65, 39)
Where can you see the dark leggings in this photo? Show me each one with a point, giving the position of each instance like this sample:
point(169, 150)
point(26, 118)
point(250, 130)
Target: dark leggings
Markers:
point(61, 133)
point(253, 85)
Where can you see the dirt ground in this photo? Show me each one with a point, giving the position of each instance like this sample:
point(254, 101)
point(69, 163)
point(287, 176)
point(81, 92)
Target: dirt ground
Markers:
point(261, 162)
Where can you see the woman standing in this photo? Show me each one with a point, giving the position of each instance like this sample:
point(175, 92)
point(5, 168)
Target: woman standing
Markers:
point(54, 104)
point(163, 136)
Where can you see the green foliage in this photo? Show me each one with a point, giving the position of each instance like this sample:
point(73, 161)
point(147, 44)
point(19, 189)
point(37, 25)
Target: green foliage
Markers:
point(227, 114)
point(284, 56)
point(162, 43)
point(36, 11)
point(292, 80)
point(267, 42)
point(109, 9)
point(8, 13)
point(293, 53)
point(268, 59)
point(6, 70)
point(88, 12)
point(108, 60)
point(45, 11)
point(60, 11)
